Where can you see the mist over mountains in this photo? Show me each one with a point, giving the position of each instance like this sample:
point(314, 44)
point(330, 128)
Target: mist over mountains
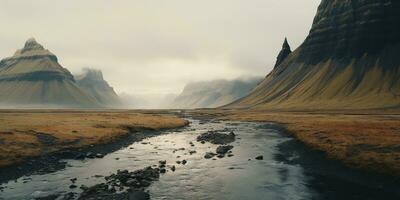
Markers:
point(212, 94)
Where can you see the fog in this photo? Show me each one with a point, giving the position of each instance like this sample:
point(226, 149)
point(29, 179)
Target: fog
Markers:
point(155, 47)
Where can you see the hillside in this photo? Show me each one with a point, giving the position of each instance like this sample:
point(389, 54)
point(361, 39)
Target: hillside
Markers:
point(213, 94)
point(348, 61)
point(32, 77)
point(93, 83)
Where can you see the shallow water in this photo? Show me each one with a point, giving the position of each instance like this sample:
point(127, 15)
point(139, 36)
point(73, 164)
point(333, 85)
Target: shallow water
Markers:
point(234, 177)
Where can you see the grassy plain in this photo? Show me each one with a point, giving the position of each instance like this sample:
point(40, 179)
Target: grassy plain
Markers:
point(29, 133)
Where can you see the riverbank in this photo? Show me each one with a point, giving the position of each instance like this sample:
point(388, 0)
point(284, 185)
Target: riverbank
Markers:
point(368, 140)
point(26, 134)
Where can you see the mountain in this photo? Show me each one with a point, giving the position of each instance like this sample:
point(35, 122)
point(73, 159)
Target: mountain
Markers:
point(93, 83)
point(147, 101)
point(32, 77)
point(349, 60)
point(213, 94)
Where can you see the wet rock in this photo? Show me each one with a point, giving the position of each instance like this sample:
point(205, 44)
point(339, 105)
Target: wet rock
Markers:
point(221, 155)
point(163, 170)
point(215, 137)
point(73, 180)
point(192, 152)
point(80, 156)
point(90, 155)
point(173, 168)
point(184, 162)
point(83, 187)
point(209, 155)
point(99, 155)
point(230, 155)
point(259, 157)
point(73, 186)
point(224, 149)
point(135, 181)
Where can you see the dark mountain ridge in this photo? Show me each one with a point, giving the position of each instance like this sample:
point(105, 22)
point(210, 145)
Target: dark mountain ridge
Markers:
point(348, 61)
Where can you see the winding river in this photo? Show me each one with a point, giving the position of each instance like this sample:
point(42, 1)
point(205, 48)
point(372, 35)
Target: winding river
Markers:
point(287, 171)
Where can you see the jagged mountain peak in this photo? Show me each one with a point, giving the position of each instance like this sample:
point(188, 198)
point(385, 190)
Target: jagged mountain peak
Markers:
point(93, 83)
point(286, 44)
point(284, 53)
point(33, 48)
point(31, 44)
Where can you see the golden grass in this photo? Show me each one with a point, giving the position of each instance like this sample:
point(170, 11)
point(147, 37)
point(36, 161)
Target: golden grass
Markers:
point(19, 130)
point(369, 141)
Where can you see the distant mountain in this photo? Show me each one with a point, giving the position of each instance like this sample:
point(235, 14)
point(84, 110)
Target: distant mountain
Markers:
point(93, 83)
point(147, 101)
point(32, 77)
point(350, 60)
point(213, 94)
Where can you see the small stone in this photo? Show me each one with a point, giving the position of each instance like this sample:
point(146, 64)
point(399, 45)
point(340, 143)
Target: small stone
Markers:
point(173, 168)
point(209, 155)
point(184, 162)
point(224, 149)
point(259, 157)
point(99, 155)
point(73, 186)
point(83, 187)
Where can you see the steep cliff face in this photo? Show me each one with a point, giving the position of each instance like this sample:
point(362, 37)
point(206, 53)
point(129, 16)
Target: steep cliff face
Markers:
point(212, 94)
point(351, 28)
point(348, 61)
point(93, 83)
point(33, 77)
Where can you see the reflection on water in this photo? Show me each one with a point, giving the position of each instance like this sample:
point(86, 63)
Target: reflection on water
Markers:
point(237, 177)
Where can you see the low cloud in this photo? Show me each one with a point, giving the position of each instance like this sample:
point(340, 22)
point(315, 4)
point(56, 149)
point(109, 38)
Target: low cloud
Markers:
point(157, 46)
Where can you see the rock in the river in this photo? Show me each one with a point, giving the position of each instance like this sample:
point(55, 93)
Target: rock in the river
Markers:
point(259, 157)
point(135, 181)
point(73, 186)
point(209, 155)
point(215, 137)
point(99, 155)
point(224, 149)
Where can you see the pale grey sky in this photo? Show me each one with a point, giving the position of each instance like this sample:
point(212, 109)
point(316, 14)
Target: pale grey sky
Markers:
point(157, 46)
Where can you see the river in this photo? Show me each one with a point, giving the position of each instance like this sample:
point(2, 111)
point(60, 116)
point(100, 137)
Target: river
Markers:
point(288, 169)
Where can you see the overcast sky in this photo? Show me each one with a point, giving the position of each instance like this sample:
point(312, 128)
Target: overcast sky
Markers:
point(156, 46)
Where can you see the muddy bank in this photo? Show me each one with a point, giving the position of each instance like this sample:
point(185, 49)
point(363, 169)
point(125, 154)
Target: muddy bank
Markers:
point(52, 162)
point(333, 180)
